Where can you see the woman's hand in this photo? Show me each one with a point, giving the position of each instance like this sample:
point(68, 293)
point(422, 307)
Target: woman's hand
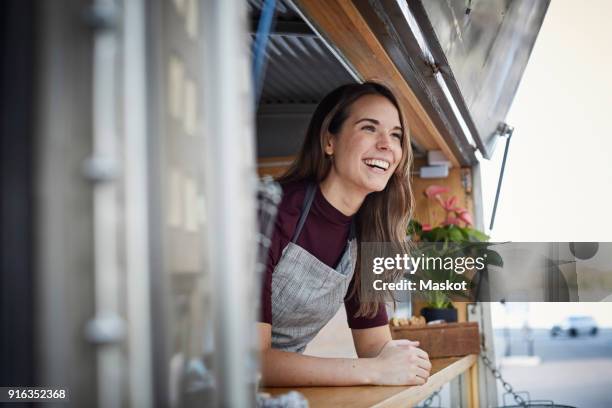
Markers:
point(401, 362)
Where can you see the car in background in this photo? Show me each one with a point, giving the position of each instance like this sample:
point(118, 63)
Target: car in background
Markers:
point(575, 325)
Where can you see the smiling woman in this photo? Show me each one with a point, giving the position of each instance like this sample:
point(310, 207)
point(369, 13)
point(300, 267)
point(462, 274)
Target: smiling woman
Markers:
point(368, 147)
point(349, 184)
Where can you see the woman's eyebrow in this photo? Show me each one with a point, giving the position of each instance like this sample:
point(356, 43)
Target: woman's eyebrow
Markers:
point(376, 122)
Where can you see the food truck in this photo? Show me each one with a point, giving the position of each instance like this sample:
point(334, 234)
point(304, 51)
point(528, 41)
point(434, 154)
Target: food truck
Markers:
point(137, 132)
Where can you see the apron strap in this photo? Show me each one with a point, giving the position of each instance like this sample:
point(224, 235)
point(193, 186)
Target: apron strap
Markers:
point(311, 190)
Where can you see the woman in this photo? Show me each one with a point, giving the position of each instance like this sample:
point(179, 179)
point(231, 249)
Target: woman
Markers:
point(349, 184)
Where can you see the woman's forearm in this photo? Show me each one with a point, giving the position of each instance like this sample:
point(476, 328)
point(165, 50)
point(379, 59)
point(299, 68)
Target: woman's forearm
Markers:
point(282, 368)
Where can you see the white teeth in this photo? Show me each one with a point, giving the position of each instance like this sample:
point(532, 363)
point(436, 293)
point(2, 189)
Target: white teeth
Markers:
point(378, 163)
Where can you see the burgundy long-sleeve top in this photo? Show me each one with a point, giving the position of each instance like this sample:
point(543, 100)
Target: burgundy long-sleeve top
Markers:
point(324, 235)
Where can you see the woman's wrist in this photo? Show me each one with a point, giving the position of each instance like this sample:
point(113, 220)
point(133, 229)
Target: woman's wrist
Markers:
point(369, 371)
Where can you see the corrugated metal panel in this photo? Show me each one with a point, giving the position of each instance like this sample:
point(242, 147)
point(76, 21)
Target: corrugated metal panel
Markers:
point(300, 68)
point(284, 11)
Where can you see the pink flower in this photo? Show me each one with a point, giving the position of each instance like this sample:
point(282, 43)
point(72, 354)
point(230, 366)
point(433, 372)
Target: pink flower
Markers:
point(458, 210)
point(449, 205)
point(465, 217)
point(434, 191)
point(426, 227)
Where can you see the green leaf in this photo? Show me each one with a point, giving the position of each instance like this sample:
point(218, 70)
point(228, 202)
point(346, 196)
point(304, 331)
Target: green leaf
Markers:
point(414, 227)
point(440, 234)
point(464, 232)
point(428, 236)
point(455, 235)
point(493, 258)
point(480, 236)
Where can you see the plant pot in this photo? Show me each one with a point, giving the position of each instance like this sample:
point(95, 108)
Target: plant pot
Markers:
point(449, 315)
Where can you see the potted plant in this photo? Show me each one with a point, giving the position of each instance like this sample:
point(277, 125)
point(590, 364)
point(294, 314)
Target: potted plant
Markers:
point(453, 237)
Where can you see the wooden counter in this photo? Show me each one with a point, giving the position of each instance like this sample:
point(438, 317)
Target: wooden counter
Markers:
point(443, 371)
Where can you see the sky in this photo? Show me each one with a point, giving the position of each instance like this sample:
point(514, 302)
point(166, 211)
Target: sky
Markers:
point(558, 180)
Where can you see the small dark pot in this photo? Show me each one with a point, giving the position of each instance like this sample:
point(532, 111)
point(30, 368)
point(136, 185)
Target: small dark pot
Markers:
point(430, 314)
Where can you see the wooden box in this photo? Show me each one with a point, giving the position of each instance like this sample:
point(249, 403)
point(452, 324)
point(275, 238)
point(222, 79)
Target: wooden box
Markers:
point(442, 340)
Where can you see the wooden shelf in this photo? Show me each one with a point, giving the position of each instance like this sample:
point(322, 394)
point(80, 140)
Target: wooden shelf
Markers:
point(443, 371)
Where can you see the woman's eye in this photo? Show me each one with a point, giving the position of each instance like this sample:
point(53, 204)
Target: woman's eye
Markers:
point(369, 128)
point(398, 135)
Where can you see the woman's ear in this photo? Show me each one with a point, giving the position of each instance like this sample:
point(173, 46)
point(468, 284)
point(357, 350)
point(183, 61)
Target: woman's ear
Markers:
point(329, 144)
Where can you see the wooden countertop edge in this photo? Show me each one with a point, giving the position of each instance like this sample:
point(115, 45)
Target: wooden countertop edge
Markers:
point(416, 394)
point(404, 396)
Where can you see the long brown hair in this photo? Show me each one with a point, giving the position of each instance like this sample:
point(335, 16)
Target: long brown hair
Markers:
point(384, 215)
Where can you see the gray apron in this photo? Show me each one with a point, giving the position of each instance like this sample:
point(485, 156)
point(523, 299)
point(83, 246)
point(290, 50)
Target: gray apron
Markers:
point(306, 293)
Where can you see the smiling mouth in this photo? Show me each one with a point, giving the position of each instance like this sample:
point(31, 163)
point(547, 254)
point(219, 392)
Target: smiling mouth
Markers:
point(377, 164)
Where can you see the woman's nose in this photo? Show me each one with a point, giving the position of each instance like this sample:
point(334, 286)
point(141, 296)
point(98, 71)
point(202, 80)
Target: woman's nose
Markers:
point(384, 141)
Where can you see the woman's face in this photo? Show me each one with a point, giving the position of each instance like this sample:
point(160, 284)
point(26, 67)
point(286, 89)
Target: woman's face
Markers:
point(368, 148)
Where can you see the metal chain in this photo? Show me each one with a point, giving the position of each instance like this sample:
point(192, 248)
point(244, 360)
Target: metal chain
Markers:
point(429, 400)
point(497, 374)
point(519, 400)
